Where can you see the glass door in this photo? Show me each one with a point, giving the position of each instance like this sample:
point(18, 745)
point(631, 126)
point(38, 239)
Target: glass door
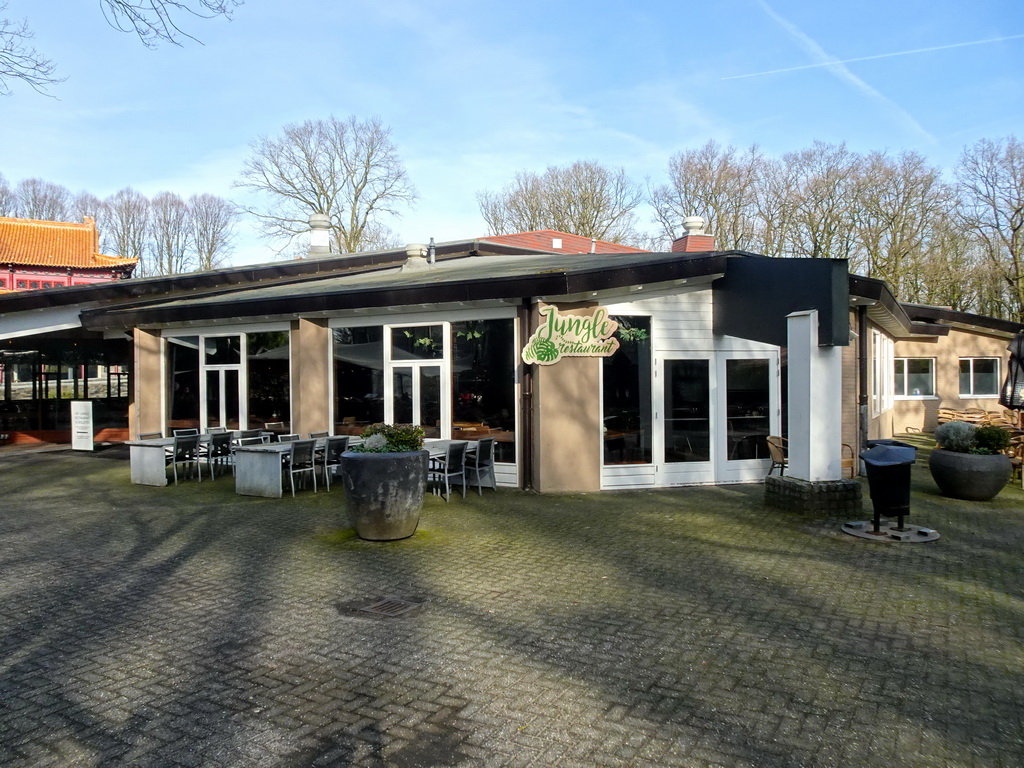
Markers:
point(748, 412)
point(687, 415)
point(418, 373)
point(416, 397)
point(221, 383)
point(222, 399)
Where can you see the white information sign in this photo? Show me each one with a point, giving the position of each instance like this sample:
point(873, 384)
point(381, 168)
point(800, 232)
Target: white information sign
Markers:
point(81, 425)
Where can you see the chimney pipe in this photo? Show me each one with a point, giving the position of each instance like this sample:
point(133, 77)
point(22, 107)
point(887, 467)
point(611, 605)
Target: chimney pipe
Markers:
point(695, 240)
point(319, 235)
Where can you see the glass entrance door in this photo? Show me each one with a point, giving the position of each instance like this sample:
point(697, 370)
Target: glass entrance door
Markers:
point(713, 414)
point(749, 412)
point(222, 404)
point(416, 397)
point(688, 435)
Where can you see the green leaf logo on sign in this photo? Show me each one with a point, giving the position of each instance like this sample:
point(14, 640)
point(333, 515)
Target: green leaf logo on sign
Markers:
point(571, 336)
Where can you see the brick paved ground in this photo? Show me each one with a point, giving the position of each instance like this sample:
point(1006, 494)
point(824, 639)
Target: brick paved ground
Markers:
point(190, 627)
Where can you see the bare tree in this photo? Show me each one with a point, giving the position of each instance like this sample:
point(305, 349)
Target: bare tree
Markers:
point(170, 229)
point(584, 198)
point(8, 200)
point(86, 204)
point(348, 170)
point(212, 220)
point(154, 21)
point(822, 207)
point(126, 231)
point(717, 184)
point(38, 199)
point(19, 60)
point(899, 203)
point(991, 176)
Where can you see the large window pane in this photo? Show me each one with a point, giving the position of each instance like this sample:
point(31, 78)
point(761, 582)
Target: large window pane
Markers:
point(429, 395)
point(920, 377)
point(746, 402)
point(423, 342)
point(183, 364)
point(223, 350)
point(986, 376)
point(483, 384)
point(979, 376)
point(269, 377)
point(687, 411)
point(627, 394)
point(402, 395)
point(358, 378)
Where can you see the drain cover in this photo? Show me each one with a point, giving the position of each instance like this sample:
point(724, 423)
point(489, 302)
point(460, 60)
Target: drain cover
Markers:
point(390, 606)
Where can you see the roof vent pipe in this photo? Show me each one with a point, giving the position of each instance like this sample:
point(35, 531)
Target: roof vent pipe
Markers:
point(593, 245)
point(319, 235)
point(415, 261)
point(431, 251)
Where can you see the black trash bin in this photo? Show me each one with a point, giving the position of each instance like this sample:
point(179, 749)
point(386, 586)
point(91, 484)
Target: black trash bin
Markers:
point(888, 463)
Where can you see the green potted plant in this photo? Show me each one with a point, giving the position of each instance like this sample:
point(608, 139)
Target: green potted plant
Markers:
point(386, 480)
point(968, 461)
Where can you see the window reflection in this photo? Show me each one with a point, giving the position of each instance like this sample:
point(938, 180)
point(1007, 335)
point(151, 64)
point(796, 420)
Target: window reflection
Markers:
point(747, 399)
point(627, 394)
point(269, 378)
point(358, 378)
point(483, 384)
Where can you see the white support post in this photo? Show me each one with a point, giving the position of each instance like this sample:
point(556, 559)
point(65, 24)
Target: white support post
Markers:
point(815, 402)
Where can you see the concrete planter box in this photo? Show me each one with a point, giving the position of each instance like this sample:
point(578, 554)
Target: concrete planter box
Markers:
point(385, 492)
point(969, 476)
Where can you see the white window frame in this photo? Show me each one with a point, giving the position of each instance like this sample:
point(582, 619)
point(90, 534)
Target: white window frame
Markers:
point(883, 373)
point(971, 394)
point(904, 396)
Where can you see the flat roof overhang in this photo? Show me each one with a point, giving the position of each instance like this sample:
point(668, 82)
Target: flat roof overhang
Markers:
point(432, 289)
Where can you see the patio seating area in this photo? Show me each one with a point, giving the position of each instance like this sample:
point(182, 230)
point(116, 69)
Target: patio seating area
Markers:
point(193, 626)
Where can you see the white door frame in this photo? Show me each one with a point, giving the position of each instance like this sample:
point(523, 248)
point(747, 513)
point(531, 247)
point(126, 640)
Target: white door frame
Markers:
point(687, 472)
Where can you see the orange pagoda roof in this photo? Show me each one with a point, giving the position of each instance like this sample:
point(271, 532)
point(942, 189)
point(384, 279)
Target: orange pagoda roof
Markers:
point(56, 244)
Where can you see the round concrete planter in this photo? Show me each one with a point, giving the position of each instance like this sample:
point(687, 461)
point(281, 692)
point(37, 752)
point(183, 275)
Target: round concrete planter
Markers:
point(385, 492)
point(969, 476)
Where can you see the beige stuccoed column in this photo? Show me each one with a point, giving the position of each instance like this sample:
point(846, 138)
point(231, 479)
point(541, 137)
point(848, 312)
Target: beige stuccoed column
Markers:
point(145, 412)
point(310, 376)
point(567, 421)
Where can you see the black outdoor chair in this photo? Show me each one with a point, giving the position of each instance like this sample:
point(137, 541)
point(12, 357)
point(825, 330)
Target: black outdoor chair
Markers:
point(480, 466)
point(185, 451)
point(451, 467)
point(299, 461)
point(332, 456)
point(218, 453)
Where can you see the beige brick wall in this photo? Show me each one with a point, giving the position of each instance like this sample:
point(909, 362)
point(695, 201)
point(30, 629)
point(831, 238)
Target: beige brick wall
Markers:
point(947, 351)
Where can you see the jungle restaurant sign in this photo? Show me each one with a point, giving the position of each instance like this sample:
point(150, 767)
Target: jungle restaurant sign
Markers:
point(571, 336)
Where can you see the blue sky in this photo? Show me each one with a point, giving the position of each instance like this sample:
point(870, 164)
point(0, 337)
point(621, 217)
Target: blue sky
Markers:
point(476, 90)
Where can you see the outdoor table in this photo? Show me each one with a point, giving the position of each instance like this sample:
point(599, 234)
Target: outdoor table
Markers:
point(258, 468)
point(149, 459)
point(438, 447)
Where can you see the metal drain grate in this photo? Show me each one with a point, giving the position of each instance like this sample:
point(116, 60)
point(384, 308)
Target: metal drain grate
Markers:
point(391, 606)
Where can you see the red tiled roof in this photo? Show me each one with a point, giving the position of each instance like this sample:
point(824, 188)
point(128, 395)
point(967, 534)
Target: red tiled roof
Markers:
point(54, 244)
point(544, 240)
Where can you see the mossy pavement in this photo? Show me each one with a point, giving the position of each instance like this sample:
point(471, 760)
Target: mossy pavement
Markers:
point(689, 627)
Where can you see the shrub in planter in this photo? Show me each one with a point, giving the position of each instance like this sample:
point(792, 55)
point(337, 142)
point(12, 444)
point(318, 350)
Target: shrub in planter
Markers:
point(386, 480)
point(968, 462)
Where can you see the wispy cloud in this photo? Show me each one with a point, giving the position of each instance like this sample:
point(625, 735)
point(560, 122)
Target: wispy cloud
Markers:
point(843, 73)
point(877, 56)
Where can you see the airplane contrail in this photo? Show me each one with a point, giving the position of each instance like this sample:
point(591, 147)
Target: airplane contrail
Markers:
point(876, 56)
